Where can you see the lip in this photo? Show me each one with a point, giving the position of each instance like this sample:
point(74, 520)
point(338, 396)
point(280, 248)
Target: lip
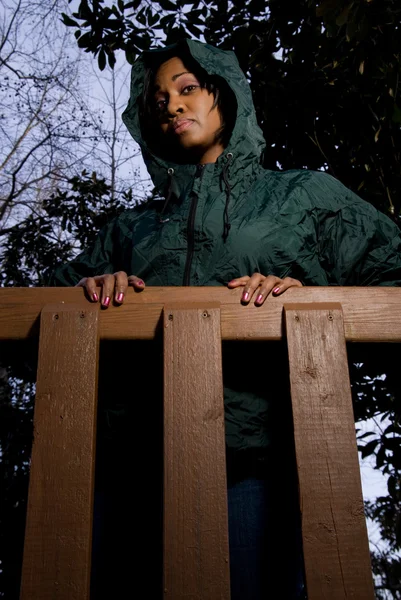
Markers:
point(181, 125)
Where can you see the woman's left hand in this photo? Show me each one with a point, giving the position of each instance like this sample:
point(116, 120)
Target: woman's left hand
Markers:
point(266, 285)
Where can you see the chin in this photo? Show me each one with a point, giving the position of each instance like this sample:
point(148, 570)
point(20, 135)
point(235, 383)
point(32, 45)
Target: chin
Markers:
point(187, 142)
point(189, 150)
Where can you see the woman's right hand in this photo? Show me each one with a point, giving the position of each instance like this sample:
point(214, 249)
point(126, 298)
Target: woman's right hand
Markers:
point(113, 286)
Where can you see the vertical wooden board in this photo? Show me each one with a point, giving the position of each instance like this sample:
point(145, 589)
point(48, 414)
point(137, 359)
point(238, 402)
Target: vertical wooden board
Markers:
point(196, 556)
point(58, 535)
point(336, 550)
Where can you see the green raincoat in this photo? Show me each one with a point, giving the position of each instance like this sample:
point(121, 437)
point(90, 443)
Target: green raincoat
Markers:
point(233, 218)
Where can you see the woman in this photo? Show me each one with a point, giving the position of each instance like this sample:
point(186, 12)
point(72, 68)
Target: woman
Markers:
point(219, 218)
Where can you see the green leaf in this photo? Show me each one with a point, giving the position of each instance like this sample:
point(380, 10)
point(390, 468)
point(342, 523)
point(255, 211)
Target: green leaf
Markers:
point(343, 17)
point(153, 19)
point(167, 5)
point(392, 429)
point(367, 434)
point(101, 61)
point(130, 55)
point(113, 24)
point(392, 443)
point(396, 116)
point(85, 40)
point(195, 14)
point(141, 42)
point(392, 485)
point(368, 448)
point(326, 7)
point(84, 12)
point(68, 21)
point(351, 30)
point(133, 5)
point(112, 58)
point(193, 29)
point(175, 34)
point(121, 5)
point(380, 457)
point(140, 17)
point(167, 20)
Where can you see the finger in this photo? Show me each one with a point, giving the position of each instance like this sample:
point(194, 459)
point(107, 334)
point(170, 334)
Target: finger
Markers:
point(249, 289)
point(270, 283)
point(136, 282)
point(120, 286)
point(239, 281)
point(286, 283)
point(108, 283)
point(89, 283)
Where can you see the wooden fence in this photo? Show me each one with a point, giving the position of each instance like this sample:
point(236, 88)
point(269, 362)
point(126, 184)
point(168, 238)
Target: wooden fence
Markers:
point(317, 323)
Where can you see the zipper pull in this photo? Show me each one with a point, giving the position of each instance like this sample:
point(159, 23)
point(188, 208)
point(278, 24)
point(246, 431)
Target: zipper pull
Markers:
point(199, 170)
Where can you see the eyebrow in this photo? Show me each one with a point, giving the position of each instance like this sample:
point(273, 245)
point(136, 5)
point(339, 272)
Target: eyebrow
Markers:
point(174, 77)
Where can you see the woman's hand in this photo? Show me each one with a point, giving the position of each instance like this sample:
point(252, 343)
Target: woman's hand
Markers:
point(266, 285)
point(113, 286)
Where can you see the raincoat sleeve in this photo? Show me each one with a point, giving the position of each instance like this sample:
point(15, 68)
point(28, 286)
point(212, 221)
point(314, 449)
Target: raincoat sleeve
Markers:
point(100, 258)
point(357, 244)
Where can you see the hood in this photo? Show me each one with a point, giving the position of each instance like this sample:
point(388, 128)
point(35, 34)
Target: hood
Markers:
point(246, 142)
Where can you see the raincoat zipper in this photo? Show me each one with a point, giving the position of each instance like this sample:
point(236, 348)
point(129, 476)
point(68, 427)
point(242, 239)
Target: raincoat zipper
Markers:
point(191, 234)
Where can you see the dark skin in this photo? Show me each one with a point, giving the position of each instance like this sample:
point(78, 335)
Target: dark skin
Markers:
point(185, 111)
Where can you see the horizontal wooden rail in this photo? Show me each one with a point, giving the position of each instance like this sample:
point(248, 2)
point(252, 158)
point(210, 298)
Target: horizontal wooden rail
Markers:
point(371, 314)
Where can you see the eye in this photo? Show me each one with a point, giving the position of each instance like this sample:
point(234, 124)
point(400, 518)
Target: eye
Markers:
point(189, 88)
point(161, 104)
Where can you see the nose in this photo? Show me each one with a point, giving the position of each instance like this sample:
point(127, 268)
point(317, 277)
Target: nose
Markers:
point(175, 105)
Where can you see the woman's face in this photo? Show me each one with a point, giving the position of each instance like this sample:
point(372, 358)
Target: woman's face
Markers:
point(185, 111)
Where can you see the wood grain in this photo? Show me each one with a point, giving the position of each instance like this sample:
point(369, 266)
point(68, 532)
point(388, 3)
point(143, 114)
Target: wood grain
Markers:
point(336, 549)
point(57, 552)
point(370, 313)
point(195, 495)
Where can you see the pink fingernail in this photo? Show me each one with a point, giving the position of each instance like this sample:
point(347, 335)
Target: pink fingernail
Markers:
point(259, 299)
point(120, 297)
point(245, 296)
point(95, 297)
point(140, 282)
point(276, 290)
point(106, 301)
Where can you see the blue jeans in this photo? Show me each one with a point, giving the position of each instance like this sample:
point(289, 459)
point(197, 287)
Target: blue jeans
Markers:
point(263, 543)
